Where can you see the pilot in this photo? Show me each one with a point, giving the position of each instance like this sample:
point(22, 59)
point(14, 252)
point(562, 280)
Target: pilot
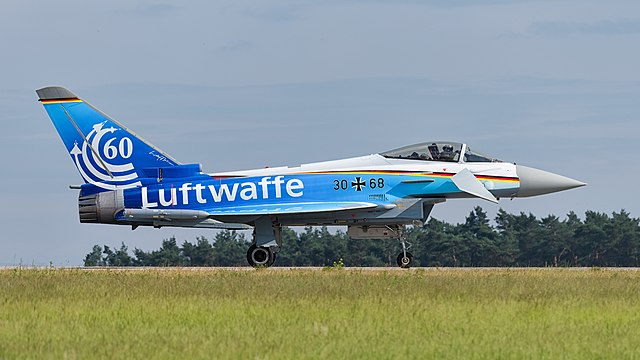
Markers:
point(447, 153)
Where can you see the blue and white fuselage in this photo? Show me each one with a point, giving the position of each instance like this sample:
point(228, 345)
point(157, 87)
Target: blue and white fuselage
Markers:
point(374, 184)
point(131, 182)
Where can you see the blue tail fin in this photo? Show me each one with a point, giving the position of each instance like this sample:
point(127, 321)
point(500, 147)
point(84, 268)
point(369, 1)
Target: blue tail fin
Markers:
point(107, 154)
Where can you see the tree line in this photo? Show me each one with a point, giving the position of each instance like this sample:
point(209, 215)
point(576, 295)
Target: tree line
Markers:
point(511, 240)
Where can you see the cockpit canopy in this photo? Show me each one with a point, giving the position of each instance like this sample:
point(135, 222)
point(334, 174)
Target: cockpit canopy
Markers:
point(439, 151)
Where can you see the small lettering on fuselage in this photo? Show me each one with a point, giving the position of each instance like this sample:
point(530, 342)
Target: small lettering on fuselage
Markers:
point(250, 190)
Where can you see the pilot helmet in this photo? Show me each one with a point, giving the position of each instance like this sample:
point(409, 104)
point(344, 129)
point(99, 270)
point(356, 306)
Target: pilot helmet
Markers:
point(447, 148)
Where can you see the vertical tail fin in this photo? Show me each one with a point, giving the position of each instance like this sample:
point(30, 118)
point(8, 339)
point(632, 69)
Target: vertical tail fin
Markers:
point(106, 153)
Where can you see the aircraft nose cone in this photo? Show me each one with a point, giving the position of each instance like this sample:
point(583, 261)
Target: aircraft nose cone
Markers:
point(538, 182)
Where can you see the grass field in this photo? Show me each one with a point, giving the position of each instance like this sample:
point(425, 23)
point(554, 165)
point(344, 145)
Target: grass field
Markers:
point(338, 314)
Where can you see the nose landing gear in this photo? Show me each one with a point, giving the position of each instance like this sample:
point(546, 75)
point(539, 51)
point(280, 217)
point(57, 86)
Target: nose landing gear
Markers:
point(405, 258)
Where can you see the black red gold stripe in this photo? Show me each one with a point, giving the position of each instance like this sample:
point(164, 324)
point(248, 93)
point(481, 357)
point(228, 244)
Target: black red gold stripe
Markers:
point(58, 101)
point(410, 173)
point(385, 172)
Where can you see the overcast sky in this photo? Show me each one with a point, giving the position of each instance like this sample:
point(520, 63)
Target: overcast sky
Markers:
point(243, 84)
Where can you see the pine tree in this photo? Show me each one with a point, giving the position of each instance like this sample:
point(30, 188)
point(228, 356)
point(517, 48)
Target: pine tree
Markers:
point(94, 258)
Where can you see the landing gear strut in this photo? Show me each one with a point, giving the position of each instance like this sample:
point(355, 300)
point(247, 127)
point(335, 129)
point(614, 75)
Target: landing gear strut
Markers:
point(405, 258)
point(267, 238)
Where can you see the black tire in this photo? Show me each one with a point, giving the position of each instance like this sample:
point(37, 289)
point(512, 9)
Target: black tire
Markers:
point(403, 262)
point(260, 256)
point(272, 260)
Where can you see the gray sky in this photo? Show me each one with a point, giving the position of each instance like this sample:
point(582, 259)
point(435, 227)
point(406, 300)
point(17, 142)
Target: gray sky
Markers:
point(243, 84)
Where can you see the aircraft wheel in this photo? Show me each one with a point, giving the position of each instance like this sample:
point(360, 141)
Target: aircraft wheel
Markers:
point(405, 262)
point(272, 260)
point(260, 256)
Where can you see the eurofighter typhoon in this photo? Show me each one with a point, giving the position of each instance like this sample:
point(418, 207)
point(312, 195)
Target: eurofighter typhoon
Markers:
point(129, 181)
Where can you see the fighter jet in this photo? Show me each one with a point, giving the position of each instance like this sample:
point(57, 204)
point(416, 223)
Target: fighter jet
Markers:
point(129, 181)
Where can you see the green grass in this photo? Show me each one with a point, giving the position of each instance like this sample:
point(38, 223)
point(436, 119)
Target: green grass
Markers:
point(276, 314)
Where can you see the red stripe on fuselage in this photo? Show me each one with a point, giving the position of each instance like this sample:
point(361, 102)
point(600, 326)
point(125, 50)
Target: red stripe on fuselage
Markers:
point(386, 172)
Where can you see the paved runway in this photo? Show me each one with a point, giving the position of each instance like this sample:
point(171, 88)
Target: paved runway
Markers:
point(313, 268)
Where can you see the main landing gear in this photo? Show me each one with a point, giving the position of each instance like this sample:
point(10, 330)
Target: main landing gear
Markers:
point(260, 256)
point(267, 238)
